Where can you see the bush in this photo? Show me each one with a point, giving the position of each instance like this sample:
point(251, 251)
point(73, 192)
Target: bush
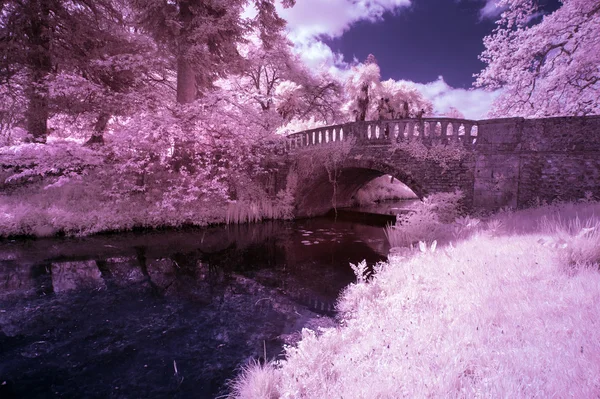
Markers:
point(578, 242)
point(428, 221)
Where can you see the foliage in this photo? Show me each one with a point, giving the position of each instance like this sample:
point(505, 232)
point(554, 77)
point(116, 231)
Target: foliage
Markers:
point(364, 92)
point(361, 271)
point(402, 91)
point(69, 57)
point(276, 82)
point(441, 153)
point(364, 79)
point(546, 68)
point(203, 37)
point(427, 220)
point(256, 381)
point(123, 182)
point(578, 241)
point(32, 162)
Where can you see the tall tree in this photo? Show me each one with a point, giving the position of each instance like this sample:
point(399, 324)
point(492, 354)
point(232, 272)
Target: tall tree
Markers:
point(365, 93)
point(203, 35)
point(42, 39)
point(277, 81)
point(545, 67)
point(365, 78)
point(400, 92)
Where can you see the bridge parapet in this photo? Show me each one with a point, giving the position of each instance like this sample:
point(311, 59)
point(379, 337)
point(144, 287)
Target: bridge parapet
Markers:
point(429, 130)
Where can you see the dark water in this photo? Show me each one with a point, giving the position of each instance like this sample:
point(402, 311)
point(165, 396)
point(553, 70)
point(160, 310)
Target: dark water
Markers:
point(168, 314)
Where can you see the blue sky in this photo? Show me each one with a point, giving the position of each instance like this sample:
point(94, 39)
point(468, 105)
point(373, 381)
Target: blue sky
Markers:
point(433, 43)
point(421, 42)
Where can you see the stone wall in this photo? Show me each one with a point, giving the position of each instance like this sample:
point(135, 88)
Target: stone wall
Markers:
point(520, 162)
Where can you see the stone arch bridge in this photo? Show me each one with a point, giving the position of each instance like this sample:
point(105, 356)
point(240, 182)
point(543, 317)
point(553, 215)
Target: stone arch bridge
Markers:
point(496, 163)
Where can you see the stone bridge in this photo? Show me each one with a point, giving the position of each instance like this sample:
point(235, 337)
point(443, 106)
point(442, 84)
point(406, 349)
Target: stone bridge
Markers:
point(511, 162)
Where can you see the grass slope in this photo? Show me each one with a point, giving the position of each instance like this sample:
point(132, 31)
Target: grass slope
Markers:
point(511, 313)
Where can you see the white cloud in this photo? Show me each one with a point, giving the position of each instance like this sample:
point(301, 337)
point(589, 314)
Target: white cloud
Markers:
point(491, 10)
point(474, 103)
point(309, 20)
point(317, 54)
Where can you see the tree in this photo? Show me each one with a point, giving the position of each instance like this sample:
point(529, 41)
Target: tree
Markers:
point(365, 92)
point(363, 81)
point(122, 76)
point(399, 92)
point(63, 56)
point(547, 68)
point(203, 37)
point(317, 97)
point(281, 87)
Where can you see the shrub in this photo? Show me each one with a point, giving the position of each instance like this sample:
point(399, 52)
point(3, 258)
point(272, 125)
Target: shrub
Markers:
point(577, 241)
point(428, 221)
point(256, 381)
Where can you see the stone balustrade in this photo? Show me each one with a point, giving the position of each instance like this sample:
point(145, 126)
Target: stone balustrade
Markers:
point(429, 130)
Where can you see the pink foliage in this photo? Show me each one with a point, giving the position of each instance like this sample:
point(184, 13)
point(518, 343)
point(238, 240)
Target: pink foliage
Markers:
point(545, 68)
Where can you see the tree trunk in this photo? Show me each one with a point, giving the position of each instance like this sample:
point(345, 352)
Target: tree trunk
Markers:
point(363, 103)
point(99, 128)
point(186, 76)
point(186, 81)
point(40, 65)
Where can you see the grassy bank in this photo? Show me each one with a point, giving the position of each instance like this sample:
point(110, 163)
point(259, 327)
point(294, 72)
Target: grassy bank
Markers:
point(509, 311)
point(64, 187)
point(74, 210)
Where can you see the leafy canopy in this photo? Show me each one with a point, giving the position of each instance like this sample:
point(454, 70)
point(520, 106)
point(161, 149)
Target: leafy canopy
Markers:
point(545, 68)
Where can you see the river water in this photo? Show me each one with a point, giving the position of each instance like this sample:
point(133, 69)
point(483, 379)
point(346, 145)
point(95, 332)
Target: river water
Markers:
point(169, 313)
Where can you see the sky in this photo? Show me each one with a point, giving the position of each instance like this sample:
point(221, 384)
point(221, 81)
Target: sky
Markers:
point(433, 43)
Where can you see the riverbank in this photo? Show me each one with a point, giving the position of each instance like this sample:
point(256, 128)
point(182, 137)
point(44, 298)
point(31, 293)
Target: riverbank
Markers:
point(510, 311)
point(64, 188)
point(74, 212)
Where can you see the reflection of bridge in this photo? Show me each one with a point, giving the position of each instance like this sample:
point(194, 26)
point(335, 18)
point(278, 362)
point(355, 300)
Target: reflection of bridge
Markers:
point(504, 162)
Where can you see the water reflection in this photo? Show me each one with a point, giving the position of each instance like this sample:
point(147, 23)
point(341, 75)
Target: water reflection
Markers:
point(388, 207)
point(68, 276)
point(109, 314)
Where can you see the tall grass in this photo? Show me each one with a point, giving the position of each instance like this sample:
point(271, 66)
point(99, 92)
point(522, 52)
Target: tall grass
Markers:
point(256, 381)
point(577, 240)
point(255, 211)
point(428, 221)
point(499, 314)
point(86, 206)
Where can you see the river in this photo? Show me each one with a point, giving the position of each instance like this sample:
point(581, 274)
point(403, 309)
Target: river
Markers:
point(170, 313)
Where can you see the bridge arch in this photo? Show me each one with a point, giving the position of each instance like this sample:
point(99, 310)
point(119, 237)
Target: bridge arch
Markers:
point(316, 194)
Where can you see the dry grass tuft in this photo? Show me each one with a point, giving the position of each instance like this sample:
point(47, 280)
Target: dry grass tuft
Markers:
point(256, 381)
